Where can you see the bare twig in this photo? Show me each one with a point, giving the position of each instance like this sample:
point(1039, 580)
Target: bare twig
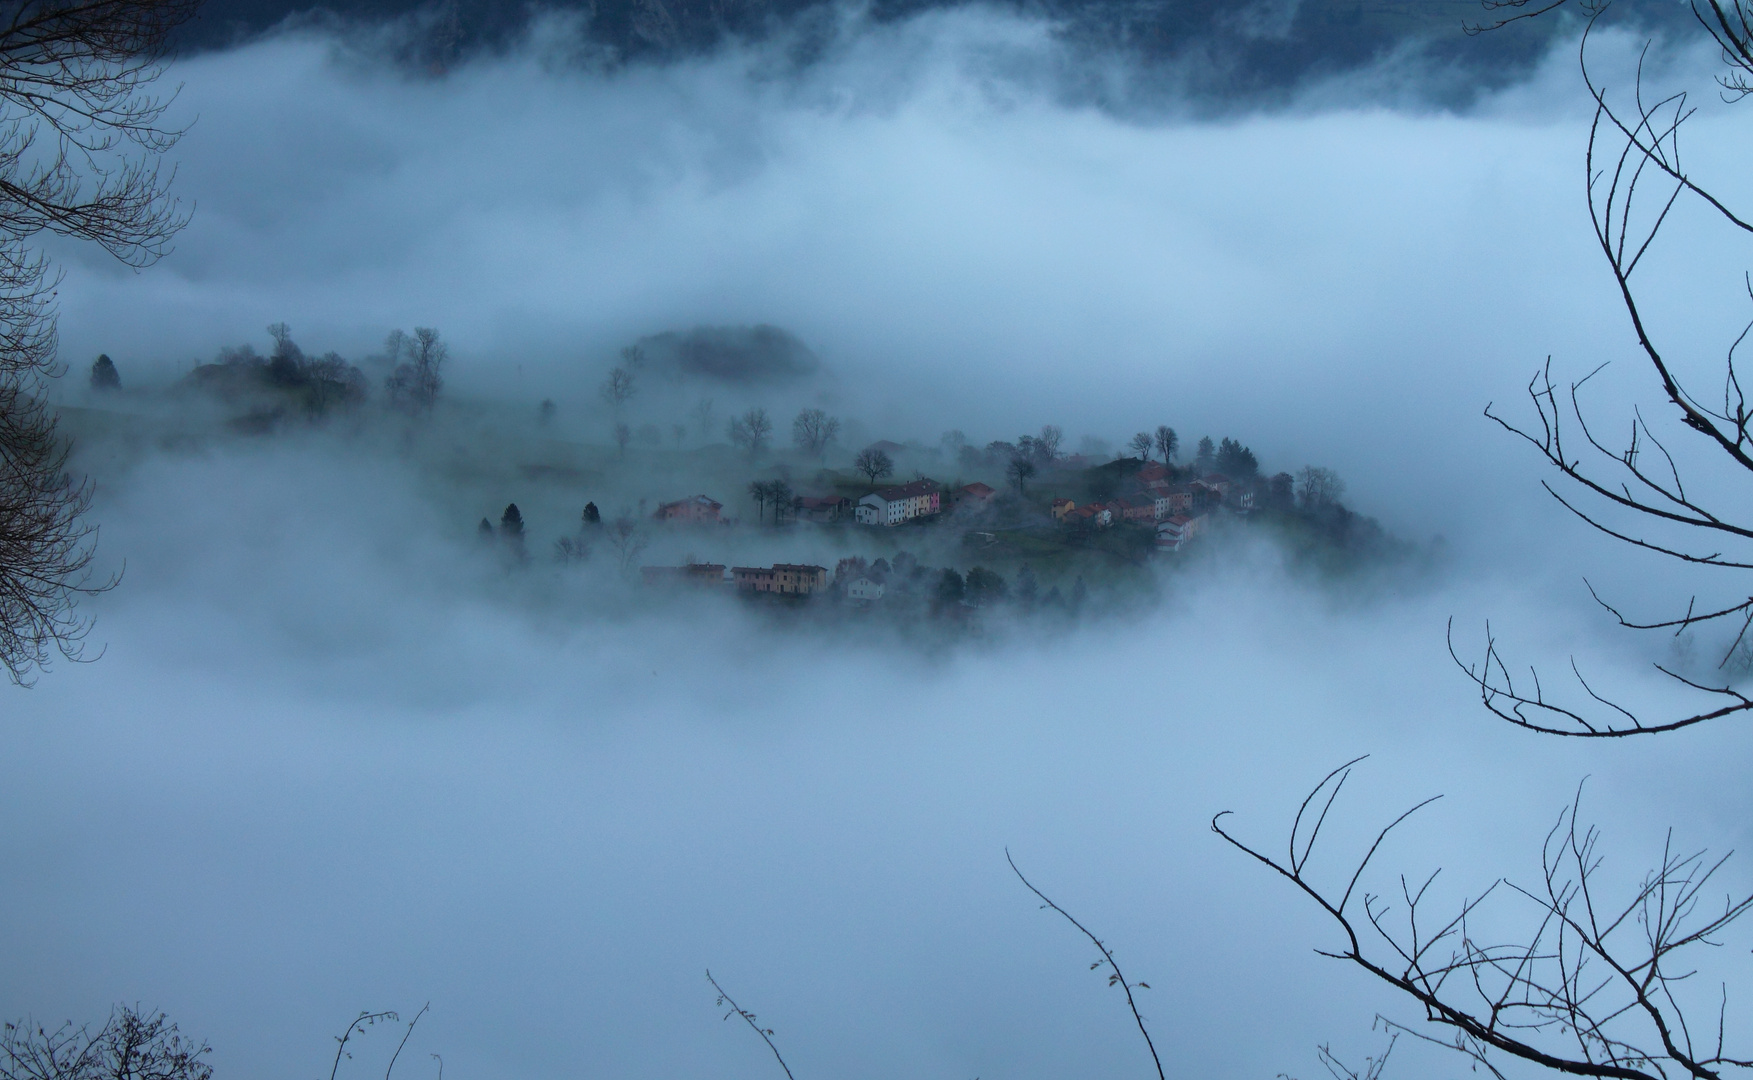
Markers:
point(1115, 978)
point(749, 1018)
point(404, 1042)
point(365, 1019)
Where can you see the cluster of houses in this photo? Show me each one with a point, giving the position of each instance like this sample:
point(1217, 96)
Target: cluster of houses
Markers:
point(1178, 510)
point(786, 579)
point(893, 505)
point(780, 579)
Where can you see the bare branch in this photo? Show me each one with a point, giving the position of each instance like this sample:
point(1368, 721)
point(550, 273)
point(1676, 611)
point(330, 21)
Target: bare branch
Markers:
point(1116, 978)
point(749, 1018)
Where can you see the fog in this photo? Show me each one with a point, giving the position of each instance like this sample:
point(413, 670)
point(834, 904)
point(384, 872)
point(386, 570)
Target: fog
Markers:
point(332, 757)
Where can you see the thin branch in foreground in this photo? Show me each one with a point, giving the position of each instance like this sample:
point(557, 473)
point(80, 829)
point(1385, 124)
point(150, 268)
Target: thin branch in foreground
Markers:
point(1592, 986)
point(1115, 978)
point(1373, 1065)
point(404, 1042)
point(365, 1019)
point(749, 1018)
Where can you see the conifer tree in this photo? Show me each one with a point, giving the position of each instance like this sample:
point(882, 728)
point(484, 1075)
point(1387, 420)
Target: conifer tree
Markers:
point(104, 375)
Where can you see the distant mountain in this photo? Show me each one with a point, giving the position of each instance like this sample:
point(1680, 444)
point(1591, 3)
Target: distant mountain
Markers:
point(1223, 49)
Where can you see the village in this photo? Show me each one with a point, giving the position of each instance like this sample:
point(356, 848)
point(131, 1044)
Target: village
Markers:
point(1156, 510)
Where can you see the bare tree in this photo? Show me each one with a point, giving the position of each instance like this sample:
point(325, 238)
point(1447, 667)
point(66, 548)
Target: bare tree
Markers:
point(779, 494)
point(1141, 444)
point(623, 436)
point(751, 431)
point(1318, 488)
point(418, 377)
point(1020, 469)
point(704, 417)
point(758, 492)
point(1593, 986)
point(873, 463)
point(618, 388)
point(79, 157)
point(572, 549)
point(129, 1046)
point(627, 539)
point(813, 430)
point(1048, 442)
point(1167, 443)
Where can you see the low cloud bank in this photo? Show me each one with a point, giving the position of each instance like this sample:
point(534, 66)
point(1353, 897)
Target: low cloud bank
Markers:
point(330, 762)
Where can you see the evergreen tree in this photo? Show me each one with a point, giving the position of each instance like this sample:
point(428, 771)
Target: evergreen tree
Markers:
point(1026, 586)
point(951, 589)
point(104, 375)
point(485, 531)
point(591, 515)
point(1079, 593)
point(1205, 460)
point(1236, 461)
point(511, 531)
point(984, 587)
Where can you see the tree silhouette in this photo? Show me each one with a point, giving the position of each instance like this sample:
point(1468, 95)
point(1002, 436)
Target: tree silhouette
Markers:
point(874, 464)
point(751, 431)
point(129, 1046)
point(617, 389)
point(951, 589)
point(418, 377)
point(1167, 443)
point(104, 375)
point(813, 430)
point(79, 158)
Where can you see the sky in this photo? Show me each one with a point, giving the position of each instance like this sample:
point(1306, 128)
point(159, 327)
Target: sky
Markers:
point(330, 760)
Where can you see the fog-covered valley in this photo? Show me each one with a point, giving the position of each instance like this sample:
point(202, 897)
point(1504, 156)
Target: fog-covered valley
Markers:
point(333, 751)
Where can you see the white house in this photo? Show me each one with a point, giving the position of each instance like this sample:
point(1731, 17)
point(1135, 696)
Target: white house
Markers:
point(893, 505)
point(865, 589)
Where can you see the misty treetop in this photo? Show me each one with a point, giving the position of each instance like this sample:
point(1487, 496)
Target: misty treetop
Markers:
point(104, 375)
point(288, 381)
